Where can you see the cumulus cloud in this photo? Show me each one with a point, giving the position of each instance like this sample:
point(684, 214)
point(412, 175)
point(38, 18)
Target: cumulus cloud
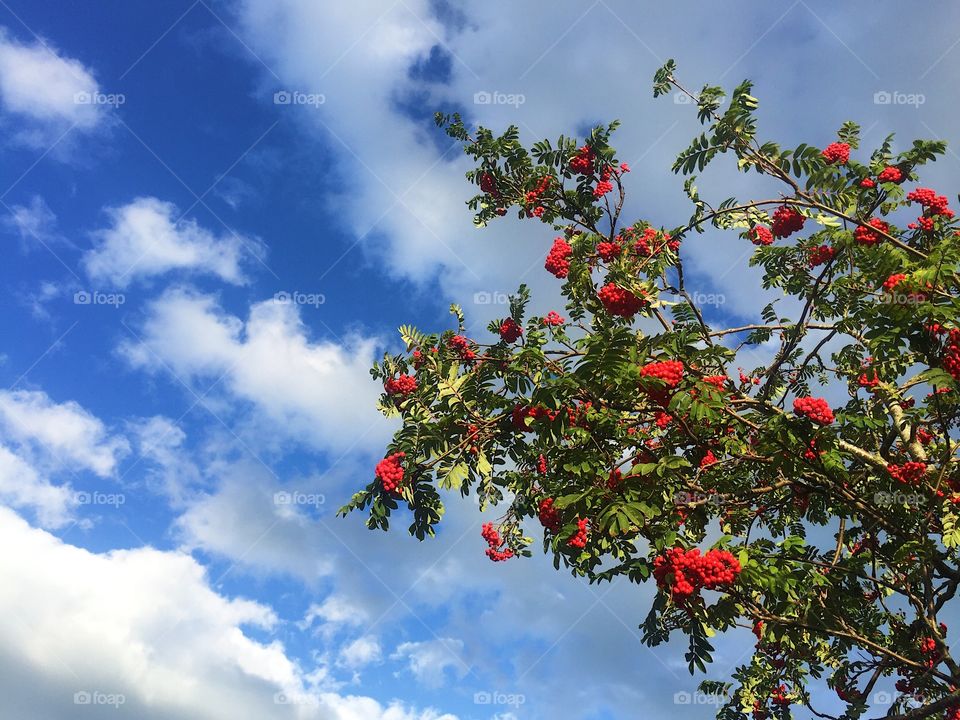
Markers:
point(147, 238)
point(144, 631)
point(66, 432)
point(47, 92)
point(44, 439)
point(430, 660)
point(316, 392)
point(360, 652)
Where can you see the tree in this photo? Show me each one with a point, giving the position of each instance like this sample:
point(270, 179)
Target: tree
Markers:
point(629, 432)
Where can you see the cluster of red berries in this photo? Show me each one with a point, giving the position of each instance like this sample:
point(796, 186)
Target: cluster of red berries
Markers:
point(779, 696)
point(510, 331)
point(647, 245)
point(891, 282)
point(473, 433)
point(866, 381)
point(418, 357)
point(608, 251)
point(867, 234)
point(542, 464)
point(582, 162)
point(489, 185)
point(549, 517)
point(951, 354)
point(811, 452)
point(910, 473)
point(402, 385)
point(836, 153)
point(933, 203)
point(815, 409)
point(821, 255)
point(620, 301)
point(532, 197)
point(461, 345)
point(685, 572)
point(519, 414)
point(558, 259)
point(494, 541)
point(553, 318)
point(390, 472)
point(890, 174)
point(603, 184)
point(786, 221)
point(614, 479)
point(708, 459)
point(662, 419)
point(718, 381)
point(746, 379)
point(670, 371)
point(579, 538)
point(760, 235)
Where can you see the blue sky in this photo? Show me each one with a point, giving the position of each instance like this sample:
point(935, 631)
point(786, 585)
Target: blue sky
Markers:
point(158, 193)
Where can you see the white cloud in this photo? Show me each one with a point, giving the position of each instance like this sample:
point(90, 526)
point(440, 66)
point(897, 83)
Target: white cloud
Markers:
point(48, 90)
point(34, 223)
point(170, 471)
point(66, 432)
point(317, 392)
point(360, 652)
point(51, 439)
point(147, 238)
point(430, 660)
point(146, 626)
point(21, 486)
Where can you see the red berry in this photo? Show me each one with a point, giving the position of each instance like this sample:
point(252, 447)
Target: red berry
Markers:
point(836, 154)
point(815, 409)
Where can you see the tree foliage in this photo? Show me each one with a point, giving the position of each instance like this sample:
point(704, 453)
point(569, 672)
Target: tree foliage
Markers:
point(630, 435)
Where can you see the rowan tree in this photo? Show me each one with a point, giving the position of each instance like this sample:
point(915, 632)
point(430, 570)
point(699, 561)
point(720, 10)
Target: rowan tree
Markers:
point(630, 435)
